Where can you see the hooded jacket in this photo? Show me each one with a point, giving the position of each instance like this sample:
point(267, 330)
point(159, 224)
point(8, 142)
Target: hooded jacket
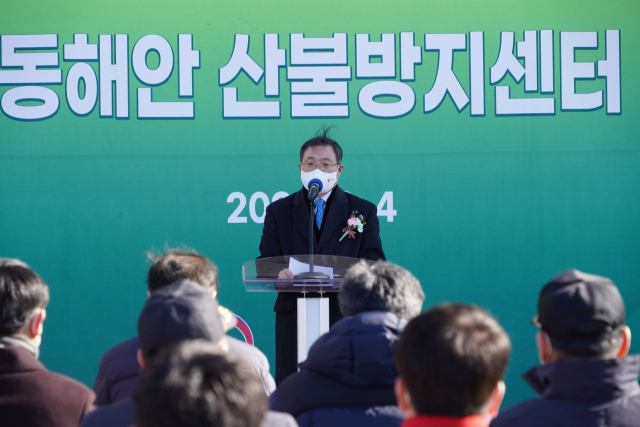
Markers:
point(348, 376)
point(580, 393)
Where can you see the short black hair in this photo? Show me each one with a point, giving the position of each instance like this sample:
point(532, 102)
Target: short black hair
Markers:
point(181, 264)
point(451, 357)
point(322, 139)
point(195, 384)
point(603, 347)
point(21, 292)
point(382, 286)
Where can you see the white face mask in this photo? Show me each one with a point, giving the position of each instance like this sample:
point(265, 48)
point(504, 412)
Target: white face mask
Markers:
point(328, 179)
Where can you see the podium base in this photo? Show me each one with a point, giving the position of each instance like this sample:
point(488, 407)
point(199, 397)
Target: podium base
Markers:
point(313, 321)
point(311, 275)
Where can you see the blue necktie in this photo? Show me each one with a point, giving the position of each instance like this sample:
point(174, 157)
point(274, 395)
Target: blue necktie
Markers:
point(319, 212)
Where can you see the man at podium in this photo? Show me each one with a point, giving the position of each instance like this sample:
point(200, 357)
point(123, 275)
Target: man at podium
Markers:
point(286, 232)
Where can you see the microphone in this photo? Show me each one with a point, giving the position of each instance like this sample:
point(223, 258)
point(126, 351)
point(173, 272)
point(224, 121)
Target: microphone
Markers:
point(315, 187)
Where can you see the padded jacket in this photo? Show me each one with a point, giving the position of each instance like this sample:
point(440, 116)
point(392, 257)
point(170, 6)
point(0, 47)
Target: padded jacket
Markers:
point(348, 376)
point(585, 393)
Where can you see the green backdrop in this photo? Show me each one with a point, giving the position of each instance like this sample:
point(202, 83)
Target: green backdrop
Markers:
point(488, 207)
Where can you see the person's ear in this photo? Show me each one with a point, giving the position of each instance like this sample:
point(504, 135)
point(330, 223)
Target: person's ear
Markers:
point(403, 398)
point(496, 399)
point(141, 361)
point(213, 292)
point(626, 342)
point(544, 347)
point(148, 294)
point(36, 325)
point(340, 167)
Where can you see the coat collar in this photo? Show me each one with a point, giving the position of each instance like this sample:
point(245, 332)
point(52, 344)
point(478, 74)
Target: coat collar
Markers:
point(18, 359)
point(337, 216)
point(300, 213)
point(19, 340)
point(586, 380)
point(336, 220)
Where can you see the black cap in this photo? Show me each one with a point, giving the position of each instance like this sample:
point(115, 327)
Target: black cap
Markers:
point(177, 312)
point(580, 307)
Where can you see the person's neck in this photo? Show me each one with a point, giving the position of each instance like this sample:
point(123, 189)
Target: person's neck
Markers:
point(477, 420)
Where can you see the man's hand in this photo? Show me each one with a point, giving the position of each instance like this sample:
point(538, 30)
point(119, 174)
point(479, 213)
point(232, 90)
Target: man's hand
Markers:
point(285, 274)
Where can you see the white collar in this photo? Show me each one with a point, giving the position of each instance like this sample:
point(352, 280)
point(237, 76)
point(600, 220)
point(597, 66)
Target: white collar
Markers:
point(326, 196)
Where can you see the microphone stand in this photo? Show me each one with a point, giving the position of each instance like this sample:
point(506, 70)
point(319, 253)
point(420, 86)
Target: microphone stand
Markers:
point(311, 274)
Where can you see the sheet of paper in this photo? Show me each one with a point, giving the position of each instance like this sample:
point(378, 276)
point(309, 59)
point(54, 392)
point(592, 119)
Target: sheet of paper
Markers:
point(297, 267)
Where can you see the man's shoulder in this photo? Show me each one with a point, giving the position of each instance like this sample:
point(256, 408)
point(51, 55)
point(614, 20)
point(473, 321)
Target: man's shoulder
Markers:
point(283, 203)
point(307, 390)
point(348, 416)
point(124, 350)
point(278, 419)
point(70, 385)
point(117, 372)
point(120, 414)
point(257, 359)
point(32, 395)
point(543, 412)
point(359, 202)
point(56, 391)
point(121, 359)
point(352, 199)
point(355, 199)
point(241, 348)
point(516, 413)
point(18, 359)
point(28, 367)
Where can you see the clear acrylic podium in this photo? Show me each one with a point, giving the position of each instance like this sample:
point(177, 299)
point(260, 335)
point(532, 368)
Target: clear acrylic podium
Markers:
point(262, 275)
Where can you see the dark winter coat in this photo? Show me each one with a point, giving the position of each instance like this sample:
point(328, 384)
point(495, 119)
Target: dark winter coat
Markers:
point(585, 393)
point(286, 232)
point(32, 396)
point(122, 414)
point(348, 377)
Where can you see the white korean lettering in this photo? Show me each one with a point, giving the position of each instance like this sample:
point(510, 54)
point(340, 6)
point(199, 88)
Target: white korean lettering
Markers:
point(117, 72)
point(409, 56)
point(570, 71)
point(476, 77)
point(446, 80)
point(385, 49)
point(319, 50)
point(188, 59)
point(610, 69)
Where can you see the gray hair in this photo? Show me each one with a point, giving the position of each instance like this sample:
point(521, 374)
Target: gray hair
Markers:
point(380, 287)
point(12, 262)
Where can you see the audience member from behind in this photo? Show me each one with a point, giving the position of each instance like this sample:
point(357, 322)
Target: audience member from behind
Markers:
point(196, 385)
point(29, 394)
point(451, 360)
point(586, 377)
point(172, 314)
point(119, 370)
point(348, 377)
